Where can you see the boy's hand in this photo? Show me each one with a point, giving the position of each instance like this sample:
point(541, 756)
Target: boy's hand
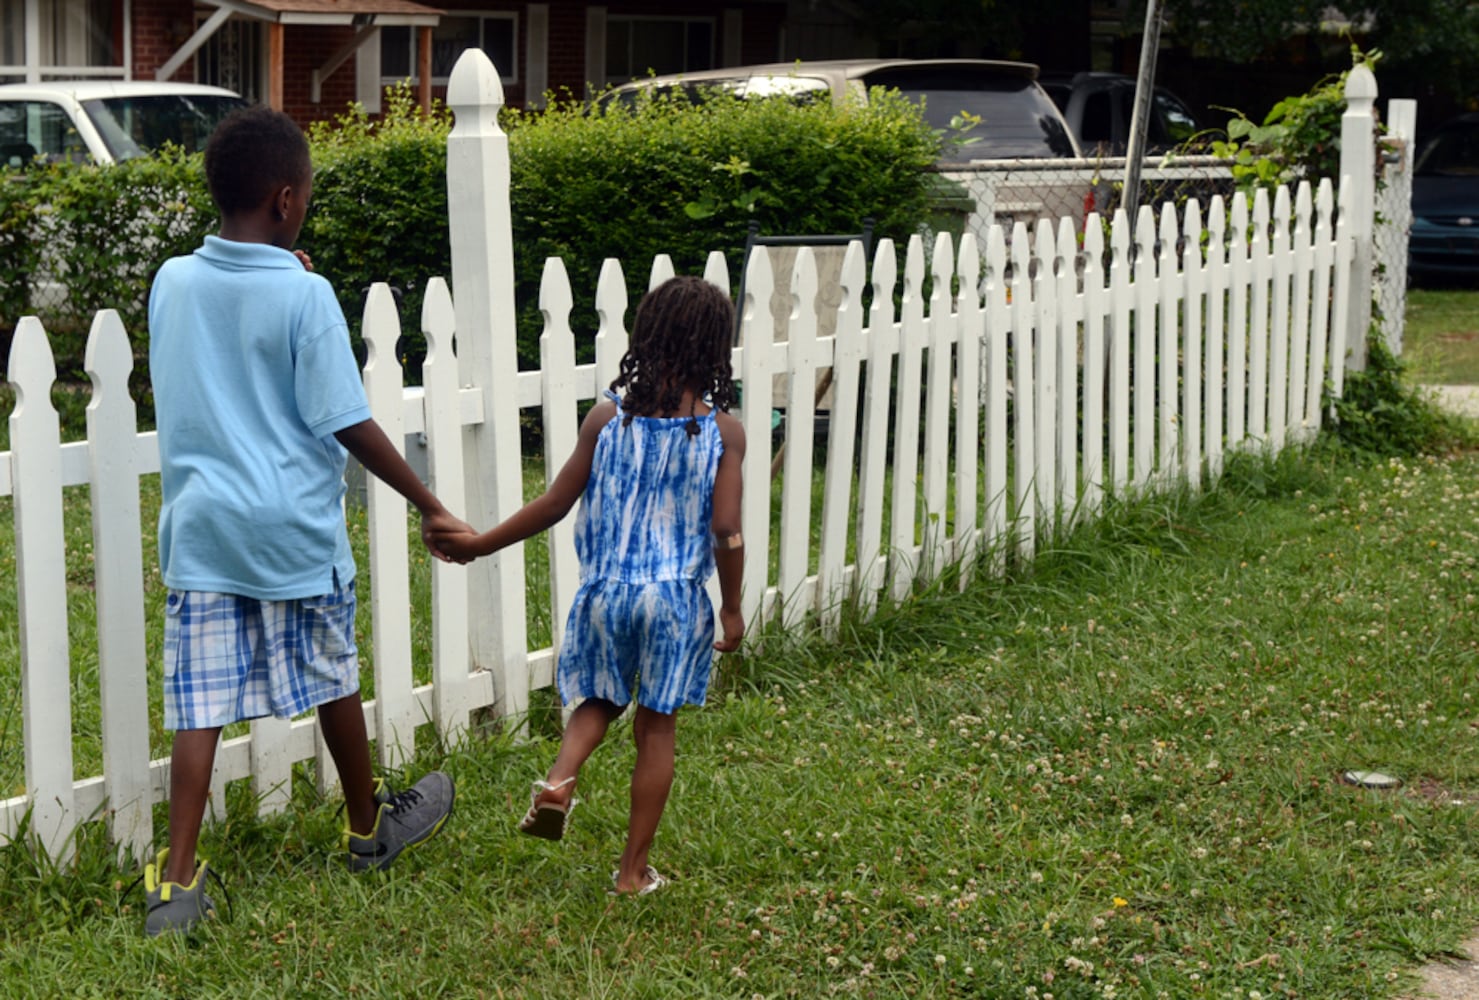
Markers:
point(459, 546)
point(440, 526)
point(733, 624)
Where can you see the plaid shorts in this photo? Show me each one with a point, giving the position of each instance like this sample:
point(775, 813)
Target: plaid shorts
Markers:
point(229, 658)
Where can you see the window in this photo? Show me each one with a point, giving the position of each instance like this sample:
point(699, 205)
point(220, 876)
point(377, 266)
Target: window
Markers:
point(31, 128)
point(495, 34)
point(644, 46)
point(78, 38)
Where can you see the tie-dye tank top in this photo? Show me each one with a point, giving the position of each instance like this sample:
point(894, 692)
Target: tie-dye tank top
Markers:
point(648, 506)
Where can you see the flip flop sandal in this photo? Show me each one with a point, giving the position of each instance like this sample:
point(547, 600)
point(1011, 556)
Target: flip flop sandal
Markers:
point(655, 881)
point(546, 819)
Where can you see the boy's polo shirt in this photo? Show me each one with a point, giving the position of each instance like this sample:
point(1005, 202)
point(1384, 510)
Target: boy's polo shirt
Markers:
point(253, 374)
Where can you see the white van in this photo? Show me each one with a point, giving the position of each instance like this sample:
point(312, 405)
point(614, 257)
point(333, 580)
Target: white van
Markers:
point(106, 121)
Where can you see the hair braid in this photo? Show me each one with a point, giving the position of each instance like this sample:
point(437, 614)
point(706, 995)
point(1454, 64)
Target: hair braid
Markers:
point(680, 341)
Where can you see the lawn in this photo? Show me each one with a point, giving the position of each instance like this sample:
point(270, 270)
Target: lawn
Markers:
point(1116, 775)
point(1441, 342)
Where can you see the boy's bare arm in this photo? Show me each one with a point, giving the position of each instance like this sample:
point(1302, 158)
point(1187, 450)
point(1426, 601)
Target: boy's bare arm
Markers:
point(729, 547)
point(367, 442)
point(546, 509)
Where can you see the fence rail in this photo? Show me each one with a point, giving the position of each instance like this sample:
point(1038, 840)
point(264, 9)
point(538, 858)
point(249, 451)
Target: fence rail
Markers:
point(991, 418)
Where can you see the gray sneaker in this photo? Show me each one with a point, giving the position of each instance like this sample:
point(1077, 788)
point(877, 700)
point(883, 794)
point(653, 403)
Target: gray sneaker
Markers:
point(404, 820)
point(172, 908)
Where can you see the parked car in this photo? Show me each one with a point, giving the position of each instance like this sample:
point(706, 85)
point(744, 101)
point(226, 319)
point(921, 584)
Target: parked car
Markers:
point(1098, 108)
point(106, 121)
point(1018, 119)
point(1445, 203)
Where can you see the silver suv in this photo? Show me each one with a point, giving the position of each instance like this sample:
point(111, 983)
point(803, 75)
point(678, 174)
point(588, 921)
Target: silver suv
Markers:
point(1017, 118)
point(106, 121)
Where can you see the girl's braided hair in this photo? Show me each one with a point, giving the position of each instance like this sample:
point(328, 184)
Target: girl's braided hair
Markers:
point(680, 341)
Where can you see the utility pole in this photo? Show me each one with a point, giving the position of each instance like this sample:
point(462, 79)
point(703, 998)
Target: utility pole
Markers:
point(1140, 120)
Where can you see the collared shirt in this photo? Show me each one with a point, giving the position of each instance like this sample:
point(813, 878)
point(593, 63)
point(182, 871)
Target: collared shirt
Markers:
point(253, 374)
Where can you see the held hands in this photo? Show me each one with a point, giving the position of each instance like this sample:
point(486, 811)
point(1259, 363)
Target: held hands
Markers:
point(446, 535)
point(733, 624)
point(304, 259)
point(459, 544)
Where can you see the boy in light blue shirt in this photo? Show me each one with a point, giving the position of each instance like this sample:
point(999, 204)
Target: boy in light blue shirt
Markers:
point(258, 401)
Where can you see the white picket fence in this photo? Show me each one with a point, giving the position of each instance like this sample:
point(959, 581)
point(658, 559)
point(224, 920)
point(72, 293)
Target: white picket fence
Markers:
point(989, 418)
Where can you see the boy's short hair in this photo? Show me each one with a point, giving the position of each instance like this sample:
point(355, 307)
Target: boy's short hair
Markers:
point(252, 153)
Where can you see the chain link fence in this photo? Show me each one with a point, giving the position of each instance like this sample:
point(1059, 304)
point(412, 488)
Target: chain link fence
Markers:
point(975, 196)
point(1389, 237)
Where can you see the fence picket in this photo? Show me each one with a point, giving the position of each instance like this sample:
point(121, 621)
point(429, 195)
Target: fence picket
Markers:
point(1302, 270)
point(803, 358)
point(757, 341)
point(904, 508)
point(1168, 354)
point(881, 345)
point(1194, 277)
point(1320, 341)
point(1045, 372)
point(1120, 332)
point(451, 692)
point(997, 292)
point(1240, 276)
point(1142, 431)
point(41, 581)
point(1070, 307)
point(390, 586)
point(1279, 328)
point(1024, 396)
point(847, 361)
point(1216, 367)
point(967, 406)
point(557, 389)
point(939, 372)
point(1258, 345)
point(611, 331)
point(1096, 302)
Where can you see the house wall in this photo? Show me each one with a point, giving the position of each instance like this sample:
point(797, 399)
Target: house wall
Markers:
point(160, 27)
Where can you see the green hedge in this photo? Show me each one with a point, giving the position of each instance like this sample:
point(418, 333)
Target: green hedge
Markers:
point(99, 232)
point(630, 183)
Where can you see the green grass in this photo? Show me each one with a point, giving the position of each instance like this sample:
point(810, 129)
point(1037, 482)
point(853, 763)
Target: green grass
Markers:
point(1116, 774)
point(1441, 342)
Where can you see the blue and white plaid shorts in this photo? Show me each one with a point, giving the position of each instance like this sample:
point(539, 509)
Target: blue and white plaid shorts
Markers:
point(229, 658)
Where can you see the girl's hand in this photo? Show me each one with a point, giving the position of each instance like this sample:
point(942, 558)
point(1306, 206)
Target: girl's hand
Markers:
point(458, 546)
point(304, 259)
point(442, 533)
point(733, 624)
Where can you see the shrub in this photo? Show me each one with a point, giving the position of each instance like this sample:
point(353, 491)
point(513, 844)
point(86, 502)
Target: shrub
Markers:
point(380, 208)
point(1379, 414)
point(101, 232)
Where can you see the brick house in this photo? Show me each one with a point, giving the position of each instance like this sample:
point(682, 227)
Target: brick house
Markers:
point(312, 57)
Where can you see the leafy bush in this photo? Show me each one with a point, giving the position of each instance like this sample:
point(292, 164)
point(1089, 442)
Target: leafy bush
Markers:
point(101, 233)
point(671, 176)
point(1379, 414)
point(380, 207)
point(1299, 137)
point(664, 177)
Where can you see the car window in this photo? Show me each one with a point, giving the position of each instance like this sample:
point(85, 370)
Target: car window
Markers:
point(132, 126)
point(32, 128)
point(1018, 120)
point(1176, 118)
point(1453, 152)
point(1098, 121)
point(799, 88)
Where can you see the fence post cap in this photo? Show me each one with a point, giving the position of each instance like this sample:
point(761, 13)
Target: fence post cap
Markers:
point(474, 82)
point(1360, 84)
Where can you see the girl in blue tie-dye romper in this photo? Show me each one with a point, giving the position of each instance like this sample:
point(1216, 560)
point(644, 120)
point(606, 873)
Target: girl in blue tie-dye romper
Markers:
point(659, 472)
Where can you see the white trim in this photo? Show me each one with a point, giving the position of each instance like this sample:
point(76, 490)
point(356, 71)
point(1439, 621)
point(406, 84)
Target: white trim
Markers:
point(193, 43)
point(368, 90)
point(595, 47)
point(362, 34)
point(536, 54)
point(128, 39)
point(33, 41)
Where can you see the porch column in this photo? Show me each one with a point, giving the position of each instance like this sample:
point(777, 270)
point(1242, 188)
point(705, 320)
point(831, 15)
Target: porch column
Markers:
point(423, 68)
point(274, 65)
